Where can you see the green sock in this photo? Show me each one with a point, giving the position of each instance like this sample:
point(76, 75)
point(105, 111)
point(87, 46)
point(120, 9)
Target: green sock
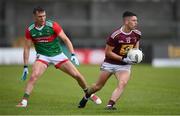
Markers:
point(85, 90)
point(26, 96)
point(89, 92)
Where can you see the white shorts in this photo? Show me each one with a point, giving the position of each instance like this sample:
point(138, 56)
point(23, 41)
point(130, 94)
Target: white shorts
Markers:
point(55, 60)
point(114, 67)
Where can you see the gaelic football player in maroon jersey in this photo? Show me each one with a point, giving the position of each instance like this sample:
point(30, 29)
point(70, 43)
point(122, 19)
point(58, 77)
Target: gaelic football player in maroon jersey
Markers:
point(45, 35)
point(116, 63)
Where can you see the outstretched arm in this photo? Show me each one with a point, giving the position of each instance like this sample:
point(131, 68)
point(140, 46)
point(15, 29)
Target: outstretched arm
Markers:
point(60, 33)
point(27, 47)
point(68, 43)
point(66, 40)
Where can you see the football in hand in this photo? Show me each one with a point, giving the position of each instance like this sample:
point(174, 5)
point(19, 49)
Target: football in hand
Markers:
point(135, 55)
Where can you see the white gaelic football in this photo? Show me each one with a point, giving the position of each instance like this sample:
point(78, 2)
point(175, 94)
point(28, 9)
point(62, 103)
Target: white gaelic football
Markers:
point(135, 55)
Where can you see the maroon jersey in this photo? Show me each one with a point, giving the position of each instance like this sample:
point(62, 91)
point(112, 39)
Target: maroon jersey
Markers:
point(122, 42)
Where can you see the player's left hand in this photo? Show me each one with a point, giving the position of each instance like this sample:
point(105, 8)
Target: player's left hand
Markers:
point(25, 73)
point(74, 59)
point(128, 60)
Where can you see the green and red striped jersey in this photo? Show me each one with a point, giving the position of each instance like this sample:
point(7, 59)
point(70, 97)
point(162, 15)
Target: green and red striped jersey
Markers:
point(45, 39)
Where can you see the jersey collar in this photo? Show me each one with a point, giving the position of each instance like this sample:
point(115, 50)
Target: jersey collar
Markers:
point(121, 29)
point(39, 28)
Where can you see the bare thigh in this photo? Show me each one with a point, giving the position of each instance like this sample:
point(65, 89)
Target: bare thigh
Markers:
point(123, 76)
point(103, 77)
point(70, 69)
point(38, 69)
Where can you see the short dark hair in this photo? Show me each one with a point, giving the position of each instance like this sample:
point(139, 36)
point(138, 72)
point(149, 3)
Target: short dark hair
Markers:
point(38, 9)
point(128, 14)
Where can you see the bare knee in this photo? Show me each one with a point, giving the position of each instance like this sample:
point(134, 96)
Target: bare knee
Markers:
point(122, 84)
point(34, 78)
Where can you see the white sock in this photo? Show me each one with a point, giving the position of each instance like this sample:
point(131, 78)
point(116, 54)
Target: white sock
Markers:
point(24, 102)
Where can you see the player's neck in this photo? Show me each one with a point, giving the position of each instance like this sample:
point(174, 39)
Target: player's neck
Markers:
point(125, 29)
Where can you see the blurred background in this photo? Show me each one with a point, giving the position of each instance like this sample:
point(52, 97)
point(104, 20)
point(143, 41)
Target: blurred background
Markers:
point(89, 22)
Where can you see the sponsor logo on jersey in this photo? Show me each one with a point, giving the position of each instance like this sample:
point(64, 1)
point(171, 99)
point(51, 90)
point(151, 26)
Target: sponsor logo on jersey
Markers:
point(121, 41)
point(44, 39)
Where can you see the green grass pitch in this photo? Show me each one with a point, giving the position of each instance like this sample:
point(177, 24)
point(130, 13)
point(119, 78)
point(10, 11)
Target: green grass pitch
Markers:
point(154, 91)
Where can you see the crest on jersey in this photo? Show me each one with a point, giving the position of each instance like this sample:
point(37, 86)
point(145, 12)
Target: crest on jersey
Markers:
point(128, 39)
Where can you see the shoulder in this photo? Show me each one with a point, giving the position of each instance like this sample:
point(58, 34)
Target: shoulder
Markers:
point(49, 23)
point(115, 33)
point(137, 32)
point(31, 26)
point(52, 24)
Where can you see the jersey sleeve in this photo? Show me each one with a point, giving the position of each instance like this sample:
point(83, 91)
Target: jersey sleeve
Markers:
point(139, 37)
point(57, 28)
point(138, 34)
point(111, 41)
point(28, 35)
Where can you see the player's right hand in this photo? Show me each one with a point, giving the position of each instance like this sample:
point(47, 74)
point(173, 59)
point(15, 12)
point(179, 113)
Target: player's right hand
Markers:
point(25, 73)
point(128, 60)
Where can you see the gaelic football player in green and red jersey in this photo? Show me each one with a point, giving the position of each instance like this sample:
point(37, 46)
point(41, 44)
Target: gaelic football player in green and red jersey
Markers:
point(45, 35)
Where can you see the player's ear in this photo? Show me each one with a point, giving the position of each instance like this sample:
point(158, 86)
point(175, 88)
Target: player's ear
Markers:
point(34, 16)
point(125, 20)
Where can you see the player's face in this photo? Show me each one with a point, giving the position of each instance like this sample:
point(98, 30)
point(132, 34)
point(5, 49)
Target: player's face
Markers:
point(131, 22)
point(40, 18)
